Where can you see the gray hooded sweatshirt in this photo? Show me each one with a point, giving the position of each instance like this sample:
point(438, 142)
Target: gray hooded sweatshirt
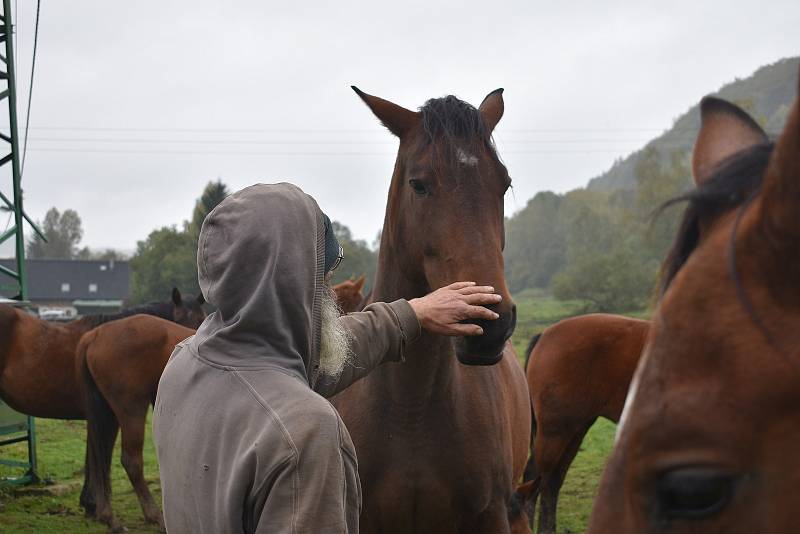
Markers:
point(245, 440)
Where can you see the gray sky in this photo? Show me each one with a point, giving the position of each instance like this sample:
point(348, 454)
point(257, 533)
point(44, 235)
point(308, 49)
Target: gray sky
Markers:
point(136, 105)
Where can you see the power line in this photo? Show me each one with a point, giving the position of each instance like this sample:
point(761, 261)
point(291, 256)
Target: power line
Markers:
point(321, 130)
point(30, 88)
point(303, 154)
point(314, 142)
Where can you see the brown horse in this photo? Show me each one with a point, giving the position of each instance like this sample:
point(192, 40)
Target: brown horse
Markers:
point(709, 435)
point(38, 375)
point(579, 369)
point(442, 438)
point(348, 294)
point(121, 364)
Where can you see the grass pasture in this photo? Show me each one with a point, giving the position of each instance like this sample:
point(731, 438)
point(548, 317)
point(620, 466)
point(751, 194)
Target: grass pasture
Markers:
point(61, 448)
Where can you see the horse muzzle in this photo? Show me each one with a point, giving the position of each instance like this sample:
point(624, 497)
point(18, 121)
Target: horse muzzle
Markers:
point(488, 348)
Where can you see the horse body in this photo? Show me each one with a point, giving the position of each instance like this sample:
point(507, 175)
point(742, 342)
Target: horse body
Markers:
point(122, 362)
point(441, 444)
point(578, 370)
point(38, 375)
point(432, 459)
point(709, 437)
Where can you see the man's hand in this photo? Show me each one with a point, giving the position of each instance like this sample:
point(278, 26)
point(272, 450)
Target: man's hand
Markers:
point(440, 312)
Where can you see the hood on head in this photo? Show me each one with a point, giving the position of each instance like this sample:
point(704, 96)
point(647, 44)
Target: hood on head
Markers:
point(260, 262)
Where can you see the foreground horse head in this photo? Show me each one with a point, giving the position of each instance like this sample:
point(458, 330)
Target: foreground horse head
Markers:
point(348, 294)
point(188, 313)
point(449, 182)
point(709, 436)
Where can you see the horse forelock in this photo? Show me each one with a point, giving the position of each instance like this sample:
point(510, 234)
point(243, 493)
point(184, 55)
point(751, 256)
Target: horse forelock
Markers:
point(734, 182)
point(457, 129)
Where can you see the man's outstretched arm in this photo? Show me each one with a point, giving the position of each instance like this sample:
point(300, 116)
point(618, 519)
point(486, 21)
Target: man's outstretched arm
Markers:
point(382, 331)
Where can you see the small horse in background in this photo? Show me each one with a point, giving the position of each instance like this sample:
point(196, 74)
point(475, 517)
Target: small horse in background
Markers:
point(442, 438)
point(709, 434)
point(579, 369)
point(121, 363)
point(348, 294)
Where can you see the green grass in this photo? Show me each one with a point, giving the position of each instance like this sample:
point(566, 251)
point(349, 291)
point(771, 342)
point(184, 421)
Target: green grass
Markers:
point(535, 312)
point(61, 448)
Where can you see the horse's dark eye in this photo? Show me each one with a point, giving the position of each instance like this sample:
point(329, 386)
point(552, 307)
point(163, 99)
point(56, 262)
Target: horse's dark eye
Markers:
point(693, 493)
point(418, 187)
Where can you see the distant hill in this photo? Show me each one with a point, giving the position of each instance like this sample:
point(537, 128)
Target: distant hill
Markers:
point(767, 95)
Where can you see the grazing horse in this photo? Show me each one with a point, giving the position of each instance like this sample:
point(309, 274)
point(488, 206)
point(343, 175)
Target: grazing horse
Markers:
point(442, 438)
point(121, 364)
point(348, 294)
point(709, 435)
point(579, 369)
point(38, 375)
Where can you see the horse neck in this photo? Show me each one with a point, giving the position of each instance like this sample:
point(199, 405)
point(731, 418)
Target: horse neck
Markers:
point(430, 361)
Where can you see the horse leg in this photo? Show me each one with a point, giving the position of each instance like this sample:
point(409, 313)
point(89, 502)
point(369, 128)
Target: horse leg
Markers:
point(87, 500)
point(532, 473)
point(101, 433)
point(552, 481)
point(133, 462)
point(493, 520)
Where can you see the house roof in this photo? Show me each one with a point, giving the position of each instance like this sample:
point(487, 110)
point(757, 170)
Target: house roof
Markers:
point(71, 280)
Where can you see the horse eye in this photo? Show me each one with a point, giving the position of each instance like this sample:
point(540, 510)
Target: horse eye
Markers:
point(693, 493)
point(418, 187)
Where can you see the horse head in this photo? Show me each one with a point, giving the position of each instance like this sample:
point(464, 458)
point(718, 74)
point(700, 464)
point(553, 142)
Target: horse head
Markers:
point(444, 219)
point(348, 294)
point(189, 313)
point(708, 438)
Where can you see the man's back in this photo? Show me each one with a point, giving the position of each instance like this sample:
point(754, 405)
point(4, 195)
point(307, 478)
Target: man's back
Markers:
point(229, 461)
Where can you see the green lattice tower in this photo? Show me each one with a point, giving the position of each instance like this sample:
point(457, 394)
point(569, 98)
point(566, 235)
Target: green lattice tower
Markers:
point(15, 426)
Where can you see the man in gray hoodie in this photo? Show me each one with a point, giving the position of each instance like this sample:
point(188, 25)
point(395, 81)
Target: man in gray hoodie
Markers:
point(245, 440)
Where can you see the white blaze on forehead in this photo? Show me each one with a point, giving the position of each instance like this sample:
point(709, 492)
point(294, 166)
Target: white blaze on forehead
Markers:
point(631, 397)
point(466, 158)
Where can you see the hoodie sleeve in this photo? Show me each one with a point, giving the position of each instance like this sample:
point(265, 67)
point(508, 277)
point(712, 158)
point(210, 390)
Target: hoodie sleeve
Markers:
point(378, 334)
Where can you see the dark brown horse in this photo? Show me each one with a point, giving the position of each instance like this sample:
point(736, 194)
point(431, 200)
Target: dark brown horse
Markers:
point(348, 294)
point(579, 369)
point(38, 374)
point(121, 363)
point(442, 438)
point(709, 435)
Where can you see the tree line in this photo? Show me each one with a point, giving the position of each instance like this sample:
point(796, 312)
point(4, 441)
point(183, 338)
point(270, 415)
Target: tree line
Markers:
point(167, 258)
point(600, 246)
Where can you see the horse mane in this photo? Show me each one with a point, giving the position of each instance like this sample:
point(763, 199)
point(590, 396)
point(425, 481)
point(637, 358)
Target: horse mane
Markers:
point(457, 123)
point(158, 309)
point(735, 181)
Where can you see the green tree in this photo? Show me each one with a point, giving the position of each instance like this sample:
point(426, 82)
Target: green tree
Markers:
point(535, 247)
point(63, 231)
point(358, 257)
point(166, 259)
point(214, 193)
point(613, 282)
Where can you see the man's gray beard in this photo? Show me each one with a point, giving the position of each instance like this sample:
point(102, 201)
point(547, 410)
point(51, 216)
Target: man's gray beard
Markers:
point(334, 350)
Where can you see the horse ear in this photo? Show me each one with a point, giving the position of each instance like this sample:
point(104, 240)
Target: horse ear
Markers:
point(360, 282)
point(492, 108)
point(397, 119)
point(725, 129)
point(201, 299)
point(780, 203)
point(177, 300)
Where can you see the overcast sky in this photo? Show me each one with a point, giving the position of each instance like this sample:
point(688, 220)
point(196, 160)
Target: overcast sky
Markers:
point(136, 105)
